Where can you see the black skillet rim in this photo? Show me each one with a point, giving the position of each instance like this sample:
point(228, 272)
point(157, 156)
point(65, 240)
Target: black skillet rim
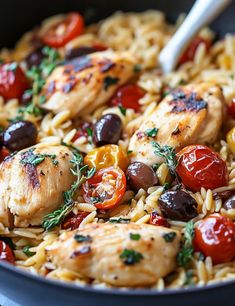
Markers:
point(111, 291)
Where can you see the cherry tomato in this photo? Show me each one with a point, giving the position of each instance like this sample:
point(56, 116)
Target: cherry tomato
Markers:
point(189, 53)
point(128, 96)
point(198, 166)
point(6, 253)
point(4, 152)
point(231, 109)
point(62, 32)
point(106, 156)
point(106, 188)
point(83, 130)
point(73, 221)
point(215, 237)
point(13, 81)
point(156, 219)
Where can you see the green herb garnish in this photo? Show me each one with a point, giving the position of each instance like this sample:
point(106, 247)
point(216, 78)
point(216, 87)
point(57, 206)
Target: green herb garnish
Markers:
point(27, 252)
point(137, 68)
point(82, 238)
point(120, 220)
point(151, 132)
point(30, 158)
point(168, 153)
point(135, 236)
point(131, 257)
point(169, 237)
point(129, 152)
point(188, 278)
point(109, 81)
point(82, 174)
point(122, 110)
point(186, 253)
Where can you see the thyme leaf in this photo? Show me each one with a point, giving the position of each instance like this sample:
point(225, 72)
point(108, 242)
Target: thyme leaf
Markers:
point(82, 174)
point(187, 250)
point(151, 132)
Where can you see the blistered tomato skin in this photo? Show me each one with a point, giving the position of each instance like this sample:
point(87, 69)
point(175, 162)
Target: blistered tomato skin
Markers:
point(157, 220)
point(73, 221)
point(128, 96)
point(13, 81)
point(6, 253)
point(215, 237)
point(199, 166)
point(64, 31)
point(106, 188)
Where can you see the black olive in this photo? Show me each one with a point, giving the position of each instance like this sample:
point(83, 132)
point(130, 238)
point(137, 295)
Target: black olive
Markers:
point(20, 135)
point(140, 175)
point(178, 205)
point(35, 58)
point(107, 130)
point(230, 203)
point(77, 52)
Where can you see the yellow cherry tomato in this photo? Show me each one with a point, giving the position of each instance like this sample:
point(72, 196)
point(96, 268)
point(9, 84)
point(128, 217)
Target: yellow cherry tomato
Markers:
point(230, 137)
point(107, 156)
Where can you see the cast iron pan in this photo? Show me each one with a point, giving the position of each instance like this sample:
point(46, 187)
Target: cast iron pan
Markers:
point(18, 16)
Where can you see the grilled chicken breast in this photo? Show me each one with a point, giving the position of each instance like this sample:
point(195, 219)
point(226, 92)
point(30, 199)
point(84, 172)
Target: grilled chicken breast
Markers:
point(118, 254)
point(86, 82)
point(32, 184)
point(191, 114)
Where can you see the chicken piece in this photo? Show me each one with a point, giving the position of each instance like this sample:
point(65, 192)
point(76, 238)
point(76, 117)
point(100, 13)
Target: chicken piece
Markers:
point(191, 114)
point(126, 255)
point(32, 184)
point(86, 82)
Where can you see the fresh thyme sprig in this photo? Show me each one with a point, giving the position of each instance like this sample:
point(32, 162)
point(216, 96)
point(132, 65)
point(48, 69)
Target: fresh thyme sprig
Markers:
point(169, 154)
point(186, 253)
point(38, 74)
point(82, 173)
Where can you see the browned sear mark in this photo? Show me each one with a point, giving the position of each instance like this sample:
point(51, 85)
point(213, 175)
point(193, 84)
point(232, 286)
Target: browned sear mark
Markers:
point(186, 102)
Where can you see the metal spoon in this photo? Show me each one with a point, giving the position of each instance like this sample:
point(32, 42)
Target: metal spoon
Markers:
point(201, 14)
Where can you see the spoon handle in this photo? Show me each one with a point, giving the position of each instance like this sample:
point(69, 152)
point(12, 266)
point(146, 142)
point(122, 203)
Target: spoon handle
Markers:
point(202, 13)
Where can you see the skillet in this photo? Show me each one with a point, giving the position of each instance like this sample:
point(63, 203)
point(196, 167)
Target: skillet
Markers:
point(16, 17)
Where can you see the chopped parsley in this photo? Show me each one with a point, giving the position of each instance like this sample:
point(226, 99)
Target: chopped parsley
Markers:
point(122, 110)
point(135, 236)
point(27, 252)
point(137, 68)
point(89, 131)
point(81, 238)
point(129, 152)
point(109, 81)
point(82, 173)
point(151, 132)
point(169, 237)
point(119, 220)
point(130, 257)
point(168, 153)
point(186, 252)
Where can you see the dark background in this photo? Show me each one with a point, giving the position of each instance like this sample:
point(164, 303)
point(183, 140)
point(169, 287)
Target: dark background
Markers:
point(18, 16)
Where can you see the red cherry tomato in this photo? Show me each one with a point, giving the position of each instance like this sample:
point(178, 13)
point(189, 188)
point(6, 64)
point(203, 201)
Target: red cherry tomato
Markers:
point(62, 32)
point(156, 219)
point(82, 131)
point(189, 53)
point(6, 253)
point(231, 109)
point(73, 221)
point(215, 237)
point(4, 152)
point(13, 81)
point(106, 188)
point(128, 96)
point(198, 166)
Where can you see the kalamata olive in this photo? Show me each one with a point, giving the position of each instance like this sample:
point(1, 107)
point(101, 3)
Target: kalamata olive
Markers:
point(178, 205)
point(140, 175)
point(80, 51)
point(107, 130)
point(35, 58)
point(230, 203)
point(20, 135)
